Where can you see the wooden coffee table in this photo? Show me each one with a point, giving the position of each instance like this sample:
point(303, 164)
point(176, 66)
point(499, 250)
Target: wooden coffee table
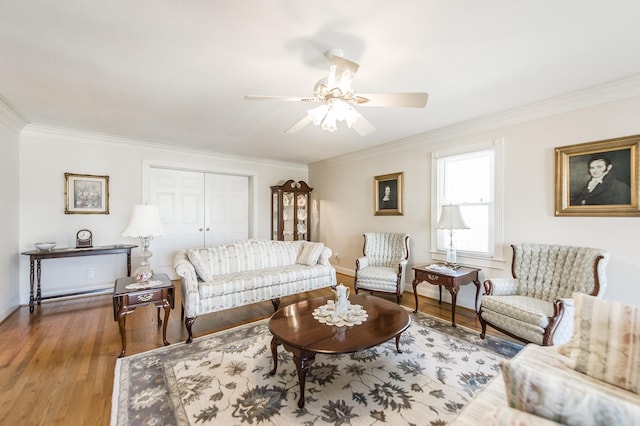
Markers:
point(295, 328)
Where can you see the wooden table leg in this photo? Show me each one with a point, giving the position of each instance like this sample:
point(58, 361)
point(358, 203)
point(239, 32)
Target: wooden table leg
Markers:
point(39, 280)
point(415, 293)
point(122, 322)
point(302, 360)
point(454, 297)
point(274, 355)
point(167, 310)
point(398, 344)
point(31, 283)
point(477, 283)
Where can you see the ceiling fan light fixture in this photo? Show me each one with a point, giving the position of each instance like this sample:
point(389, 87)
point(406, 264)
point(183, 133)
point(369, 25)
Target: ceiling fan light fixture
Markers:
point(326, 116)
point(317, 114)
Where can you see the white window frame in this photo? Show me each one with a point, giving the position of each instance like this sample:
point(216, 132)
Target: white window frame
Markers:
point(495, 257)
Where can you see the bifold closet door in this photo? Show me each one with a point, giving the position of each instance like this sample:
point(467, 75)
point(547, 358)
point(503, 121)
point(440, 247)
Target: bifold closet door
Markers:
point(226, 213)
point(197, 209)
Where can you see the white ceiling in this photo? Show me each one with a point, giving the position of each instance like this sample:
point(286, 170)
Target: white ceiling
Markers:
point(176, 72)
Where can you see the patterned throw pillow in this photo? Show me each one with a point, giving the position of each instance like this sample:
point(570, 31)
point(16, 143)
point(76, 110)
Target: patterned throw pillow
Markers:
point(310, 253)
point(606, 341)
point(564, 398)
point(201, 259)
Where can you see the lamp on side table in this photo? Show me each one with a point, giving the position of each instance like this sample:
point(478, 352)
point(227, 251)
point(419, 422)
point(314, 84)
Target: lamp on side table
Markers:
point(145, 224)
point(451, 218)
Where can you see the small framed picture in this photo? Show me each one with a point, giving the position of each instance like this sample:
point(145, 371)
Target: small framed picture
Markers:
point(86, 194)
point(598, 178)
point(388, 195)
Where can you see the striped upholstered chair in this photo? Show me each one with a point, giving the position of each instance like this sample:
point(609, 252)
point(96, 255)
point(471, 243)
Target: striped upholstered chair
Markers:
point(536, 305)
point(382, 268)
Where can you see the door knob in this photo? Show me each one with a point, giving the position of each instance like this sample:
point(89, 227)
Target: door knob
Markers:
point(200, 230)
point(208, 228)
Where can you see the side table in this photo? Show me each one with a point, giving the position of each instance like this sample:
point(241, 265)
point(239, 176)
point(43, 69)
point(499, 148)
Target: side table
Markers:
point(451, 279)
point(126, 300)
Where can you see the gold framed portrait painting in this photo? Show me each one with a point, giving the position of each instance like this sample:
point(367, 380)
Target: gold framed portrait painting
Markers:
point(86, 194)
point(388, 194)
point(598, 178)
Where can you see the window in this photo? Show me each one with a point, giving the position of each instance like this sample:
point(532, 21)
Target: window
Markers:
point(472, 179)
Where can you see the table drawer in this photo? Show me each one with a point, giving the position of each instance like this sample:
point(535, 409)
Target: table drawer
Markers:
point(143, 297)
point(436, 279)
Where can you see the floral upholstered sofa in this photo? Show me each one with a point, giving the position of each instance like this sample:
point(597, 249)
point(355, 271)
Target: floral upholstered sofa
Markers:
point(249, 271)
point(594, 379)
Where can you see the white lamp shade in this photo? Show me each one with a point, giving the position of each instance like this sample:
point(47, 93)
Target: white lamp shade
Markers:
point(145, 222)
point(451, 218)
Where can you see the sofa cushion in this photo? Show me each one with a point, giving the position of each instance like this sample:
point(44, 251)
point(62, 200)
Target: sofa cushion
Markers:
point(238, 282)
point(606, 341)
point(310, 253)
point(561, 395)
point(521, 308)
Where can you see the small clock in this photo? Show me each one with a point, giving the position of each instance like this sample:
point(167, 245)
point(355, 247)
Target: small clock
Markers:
point(84, 238)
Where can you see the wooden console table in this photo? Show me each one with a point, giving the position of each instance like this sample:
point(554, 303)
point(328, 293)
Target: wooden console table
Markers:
point(36, 256)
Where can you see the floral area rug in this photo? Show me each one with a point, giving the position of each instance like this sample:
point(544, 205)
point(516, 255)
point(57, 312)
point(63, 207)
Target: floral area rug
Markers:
point(224, 378)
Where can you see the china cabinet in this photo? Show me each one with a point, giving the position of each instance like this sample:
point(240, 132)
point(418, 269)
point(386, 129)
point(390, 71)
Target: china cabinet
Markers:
point(290, 211)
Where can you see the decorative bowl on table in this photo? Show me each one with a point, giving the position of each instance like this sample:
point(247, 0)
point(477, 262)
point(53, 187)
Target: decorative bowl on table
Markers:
point(45, 246)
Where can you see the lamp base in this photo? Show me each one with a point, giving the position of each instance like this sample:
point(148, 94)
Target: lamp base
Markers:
point(451, 258)
point(144, 273)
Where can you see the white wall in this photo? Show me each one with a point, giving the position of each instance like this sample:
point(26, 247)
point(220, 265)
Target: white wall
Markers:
point(345, 189)
point(47, 153)
point(10, 125)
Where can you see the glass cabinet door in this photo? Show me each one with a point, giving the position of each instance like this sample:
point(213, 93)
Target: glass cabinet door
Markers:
point(290, 211)
point(302, 211)
point(288, 216)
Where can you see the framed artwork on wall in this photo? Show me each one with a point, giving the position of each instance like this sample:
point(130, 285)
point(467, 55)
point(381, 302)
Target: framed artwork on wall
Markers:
point(86, 194)
point(598, 178)
point(388, 194)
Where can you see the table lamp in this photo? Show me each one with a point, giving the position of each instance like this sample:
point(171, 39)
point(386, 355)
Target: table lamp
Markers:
point(145, 224)
point(451, 218)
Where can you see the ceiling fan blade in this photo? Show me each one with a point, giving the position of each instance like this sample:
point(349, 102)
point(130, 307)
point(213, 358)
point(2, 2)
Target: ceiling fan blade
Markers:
point(280, 98)
point(341, 72)
point(299, 125)
point(410, 100)
point(363, 126)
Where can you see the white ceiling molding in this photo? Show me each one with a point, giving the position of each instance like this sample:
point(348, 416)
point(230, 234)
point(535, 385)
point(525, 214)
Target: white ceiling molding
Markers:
point(11, 117)
point(83, 137)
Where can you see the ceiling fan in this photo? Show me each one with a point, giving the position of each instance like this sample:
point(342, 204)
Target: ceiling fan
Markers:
point(338, 100)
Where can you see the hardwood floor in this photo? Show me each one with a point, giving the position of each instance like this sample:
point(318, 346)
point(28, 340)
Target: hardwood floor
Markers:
point(57, 364)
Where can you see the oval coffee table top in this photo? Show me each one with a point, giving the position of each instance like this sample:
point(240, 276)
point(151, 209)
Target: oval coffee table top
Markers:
point(295, 326)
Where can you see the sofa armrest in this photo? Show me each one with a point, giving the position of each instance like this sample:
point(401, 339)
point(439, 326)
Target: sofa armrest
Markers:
point(362, 262)
point(501, 286)
point(190, 296)
point(325, 255)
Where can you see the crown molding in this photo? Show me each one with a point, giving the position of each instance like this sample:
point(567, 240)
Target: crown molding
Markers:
point(608, 92)
point(85, 137)
point(11, 117)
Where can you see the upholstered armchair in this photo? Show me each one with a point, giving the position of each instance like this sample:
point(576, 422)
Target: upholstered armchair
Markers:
point(382, 268)
point(535, 306)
